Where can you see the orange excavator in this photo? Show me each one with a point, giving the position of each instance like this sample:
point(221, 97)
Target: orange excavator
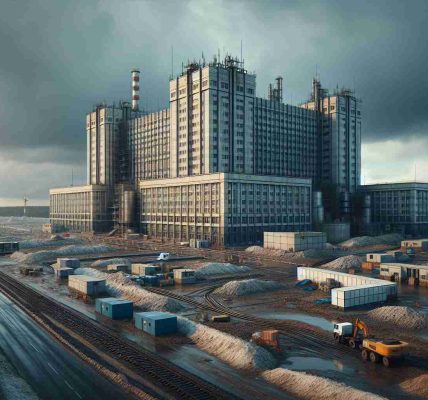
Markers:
point(357, 336)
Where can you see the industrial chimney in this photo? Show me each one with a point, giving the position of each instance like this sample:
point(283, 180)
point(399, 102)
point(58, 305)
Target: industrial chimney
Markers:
point(135, 76)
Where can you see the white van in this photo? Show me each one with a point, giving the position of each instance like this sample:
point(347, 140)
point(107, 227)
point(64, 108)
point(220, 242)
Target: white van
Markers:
point(164, 256)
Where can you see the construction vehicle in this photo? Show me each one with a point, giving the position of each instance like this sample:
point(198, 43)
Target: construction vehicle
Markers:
point(351, 334)
point(357, 336)
point(164, 257)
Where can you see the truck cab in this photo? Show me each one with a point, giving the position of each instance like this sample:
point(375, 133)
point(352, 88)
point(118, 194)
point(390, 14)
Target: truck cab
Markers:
point(164, 256)
point(343, 329)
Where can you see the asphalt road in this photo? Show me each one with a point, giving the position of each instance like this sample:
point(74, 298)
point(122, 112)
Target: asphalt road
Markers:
point(51, 370)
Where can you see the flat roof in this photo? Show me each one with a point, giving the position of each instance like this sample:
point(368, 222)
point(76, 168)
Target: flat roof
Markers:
point(114, 300)
point(404, 266)
point(156, 315)
point(86, 278)
point(368, 286)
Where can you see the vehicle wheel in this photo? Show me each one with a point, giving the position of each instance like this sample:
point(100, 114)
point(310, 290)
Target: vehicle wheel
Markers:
point(337, 338)
point(374, 358)
point(365, 354)
point(360, 346)
point(386, 362)
point(352, 344)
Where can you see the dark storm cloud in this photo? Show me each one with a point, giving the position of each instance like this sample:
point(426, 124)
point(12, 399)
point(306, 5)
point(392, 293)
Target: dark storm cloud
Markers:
point(58, 58)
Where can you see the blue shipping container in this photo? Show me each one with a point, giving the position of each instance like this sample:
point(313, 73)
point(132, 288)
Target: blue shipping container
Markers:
point(156, 323)
point(115, 308)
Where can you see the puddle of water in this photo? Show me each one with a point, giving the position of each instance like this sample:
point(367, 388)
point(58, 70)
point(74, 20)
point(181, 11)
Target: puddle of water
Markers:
point(318, 364)
point(319, 322)
point(422, 336)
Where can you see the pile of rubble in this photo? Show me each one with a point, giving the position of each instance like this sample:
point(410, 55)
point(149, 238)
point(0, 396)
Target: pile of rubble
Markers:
point(402, 317)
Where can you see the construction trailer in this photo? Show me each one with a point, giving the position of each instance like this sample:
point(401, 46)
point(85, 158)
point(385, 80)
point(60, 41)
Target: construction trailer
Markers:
point(294, 241)
point(412, 274)
point(114, 308)
point(63, 272)
point(117, 268)
point(87, 285)
point(145, 269)
point(417, 244)
point(68, 263)
point(184, 276)
point(8, 247)
point(156, 323)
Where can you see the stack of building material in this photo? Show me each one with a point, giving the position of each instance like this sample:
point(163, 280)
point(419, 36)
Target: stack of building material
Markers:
point(145, 269)
point(184, 276)
point(32, 271)
point(156, 323)
point(328, 285)
point(87, 285)
point(114, 308)
point(267, 338)
point(117, 268)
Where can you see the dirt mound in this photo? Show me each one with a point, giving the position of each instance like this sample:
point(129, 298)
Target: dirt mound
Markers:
point(104, 263)
point(403, 317)
point(44, 255)
point(311, 387)
point(118, 285)
point(343, 263)
point(417, 386)
point(247, 286)
point(53, 242)
point(214, 268)
point(328, 251)
point(391, 239)
point(228, 348)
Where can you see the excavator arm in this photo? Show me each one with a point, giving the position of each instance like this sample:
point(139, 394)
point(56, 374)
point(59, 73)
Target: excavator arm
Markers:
point(360, 326)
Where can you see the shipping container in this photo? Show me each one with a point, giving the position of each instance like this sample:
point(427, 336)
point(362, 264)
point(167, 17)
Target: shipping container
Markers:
point(156, 323)
point(114, 308)
point(145, 269)
point(117, 268)
point(379, 257)
point(184, 276)
point(63, 272)
point(8, 247)
point(294, 241)
point(67, 263)
point(87, 285)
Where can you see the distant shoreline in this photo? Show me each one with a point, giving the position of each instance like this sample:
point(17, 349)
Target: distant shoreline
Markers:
point(18, 211)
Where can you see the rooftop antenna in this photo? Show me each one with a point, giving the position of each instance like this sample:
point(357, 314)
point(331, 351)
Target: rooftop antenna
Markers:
point(72, 177)
point(172, 62)
point(26, 200)
point(241, 52)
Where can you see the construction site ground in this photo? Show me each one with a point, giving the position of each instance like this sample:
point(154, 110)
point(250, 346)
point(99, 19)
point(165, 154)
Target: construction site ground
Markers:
point(291, 304)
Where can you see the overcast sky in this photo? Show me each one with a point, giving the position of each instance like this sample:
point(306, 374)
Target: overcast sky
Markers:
point(58, 58)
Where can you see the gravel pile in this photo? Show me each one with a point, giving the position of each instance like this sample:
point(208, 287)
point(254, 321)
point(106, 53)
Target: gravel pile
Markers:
point(343, 263)
point(44, 255)
point(118, 285)
point(104, 263)
point(402, 317)
point(417, 386)
point(310, 387)
point(35, 243)
point(214, 268)
point(328, 251)
point(230, 349)
point(392, 239)
point(246, 287)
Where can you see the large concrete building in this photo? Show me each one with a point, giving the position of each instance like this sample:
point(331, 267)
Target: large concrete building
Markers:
point(398, 207)
point(219, 163)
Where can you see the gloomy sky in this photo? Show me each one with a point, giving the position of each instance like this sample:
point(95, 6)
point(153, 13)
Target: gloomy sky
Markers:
point(58, 58)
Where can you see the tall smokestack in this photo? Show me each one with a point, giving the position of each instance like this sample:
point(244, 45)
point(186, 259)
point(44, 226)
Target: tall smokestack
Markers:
point(135, 76)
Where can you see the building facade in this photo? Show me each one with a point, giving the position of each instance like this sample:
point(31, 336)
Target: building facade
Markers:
point(399, 207)
point(224, 208)
point(255, 159)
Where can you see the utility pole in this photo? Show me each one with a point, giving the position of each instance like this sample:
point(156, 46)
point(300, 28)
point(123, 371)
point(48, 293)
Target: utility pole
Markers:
point(25, 205)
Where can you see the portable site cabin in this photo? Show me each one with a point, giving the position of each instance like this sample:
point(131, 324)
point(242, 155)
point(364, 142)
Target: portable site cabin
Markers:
point(156, 323)
point(145, 269)
point(184, 276)
point(87, 285)
point(117, 268)
point(63, 272)
point(68, 263)
point(114, 308)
